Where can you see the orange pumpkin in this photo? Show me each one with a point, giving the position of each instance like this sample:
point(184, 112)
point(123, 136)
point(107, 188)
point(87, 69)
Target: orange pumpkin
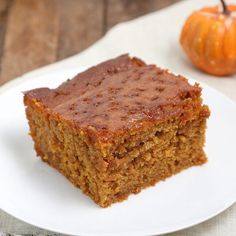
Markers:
point(209, 39)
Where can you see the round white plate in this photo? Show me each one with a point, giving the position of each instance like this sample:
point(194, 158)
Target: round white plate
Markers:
point(34, 192)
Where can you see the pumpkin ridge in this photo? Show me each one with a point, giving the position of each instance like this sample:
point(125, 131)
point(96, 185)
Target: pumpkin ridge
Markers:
point(199, 42)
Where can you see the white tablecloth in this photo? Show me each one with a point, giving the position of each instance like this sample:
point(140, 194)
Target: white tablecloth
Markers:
point(154, 38)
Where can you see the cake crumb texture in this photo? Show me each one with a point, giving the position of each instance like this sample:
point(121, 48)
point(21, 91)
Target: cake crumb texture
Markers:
point(118, 127)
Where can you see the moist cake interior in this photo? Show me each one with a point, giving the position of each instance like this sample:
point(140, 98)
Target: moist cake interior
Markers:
point(118, 127)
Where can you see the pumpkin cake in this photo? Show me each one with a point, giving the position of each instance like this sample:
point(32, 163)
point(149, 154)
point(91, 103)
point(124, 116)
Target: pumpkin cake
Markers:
point(118, 127)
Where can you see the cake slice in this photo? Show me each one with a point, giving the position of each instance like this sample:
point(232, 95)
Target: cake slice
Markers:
point(118, 127)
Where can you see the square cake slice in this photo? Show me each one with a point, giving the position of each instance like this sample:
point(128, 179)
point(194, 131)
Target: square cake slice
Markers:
point(118, 127)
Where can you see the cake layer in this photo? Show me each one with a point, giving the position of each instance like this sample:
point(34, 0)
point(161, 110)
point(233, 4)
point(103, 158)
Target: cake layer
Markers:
point(118, 127)
point(153, 155)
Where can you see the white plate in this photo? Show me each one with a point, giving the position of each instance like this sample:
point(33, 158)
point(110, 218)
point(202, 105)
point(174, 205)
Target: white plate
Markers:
point(34, 192)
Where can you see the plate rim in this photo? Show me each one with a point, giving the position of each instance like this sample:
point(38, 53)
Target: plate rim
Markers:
point(151, 231)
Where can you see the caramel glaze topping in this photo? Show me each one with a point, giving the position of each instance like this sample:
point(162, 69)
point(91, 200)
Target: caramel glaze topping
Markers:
point(117, 95)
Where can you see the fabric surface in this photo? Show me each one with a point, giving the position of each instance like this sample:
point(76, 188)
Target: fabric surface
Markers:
point(154, 38)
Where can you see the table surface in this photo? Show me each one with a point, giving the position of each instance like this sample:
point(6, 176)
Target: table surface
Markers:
point(37, 33)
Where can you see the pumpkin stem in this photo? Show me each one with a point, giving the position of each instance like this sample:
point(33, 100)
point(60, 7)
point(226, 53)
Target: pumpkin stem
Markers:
point(225, 8)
